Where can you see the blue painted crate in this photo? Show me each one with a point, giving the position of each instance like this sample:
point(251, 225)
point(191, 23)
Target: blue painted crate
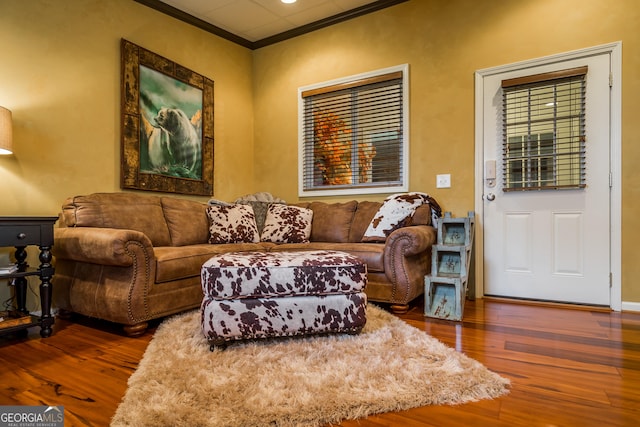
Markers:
point(444, 297)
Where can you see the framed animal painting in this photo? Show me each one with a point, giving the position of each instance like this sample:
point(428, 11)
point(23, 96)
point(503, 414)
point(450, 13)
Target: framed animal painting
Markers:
point(167, 125)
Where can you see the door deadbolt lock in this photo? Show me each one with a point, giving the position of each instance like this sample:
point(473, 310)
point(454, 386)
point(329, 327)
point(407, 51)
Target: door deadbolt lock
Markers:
point(490, 173)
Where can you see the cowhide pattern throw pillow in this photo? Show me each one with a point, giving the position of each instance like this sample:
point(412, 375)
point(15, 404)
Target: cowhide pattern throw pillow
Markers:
point(287, 224)
point(396, 212)
point(259, 210)
point(232, 224)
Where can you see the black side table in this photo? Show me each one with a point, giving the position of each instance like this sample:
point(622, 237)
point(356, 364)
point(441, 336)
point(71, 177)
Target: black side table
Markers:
point(21, 232)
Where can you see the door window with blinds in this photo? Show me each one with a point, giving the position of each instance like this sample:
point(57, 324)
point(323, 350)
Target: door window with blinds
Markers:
point(544, 131)
point(353, 134)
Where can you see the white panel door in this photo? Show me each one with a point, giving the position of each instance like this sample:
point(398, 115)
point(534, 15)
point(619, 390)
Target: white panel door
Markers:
point(550, 245)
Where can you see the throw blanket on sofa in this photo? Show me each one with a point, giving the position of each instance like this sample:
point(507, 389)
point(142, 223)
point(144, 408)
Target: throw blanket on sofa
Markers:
point(396, 212)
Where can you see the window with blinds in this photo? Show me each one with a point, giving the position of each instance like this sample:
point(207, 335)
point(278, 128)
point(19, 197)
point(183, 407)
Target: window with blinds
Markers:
point(544, 131)
point(353, 134)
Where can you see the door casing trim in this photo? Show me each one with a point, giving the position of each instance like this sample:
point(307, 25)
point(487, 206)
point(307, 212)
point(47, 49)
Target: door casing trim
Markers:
point(615, 158)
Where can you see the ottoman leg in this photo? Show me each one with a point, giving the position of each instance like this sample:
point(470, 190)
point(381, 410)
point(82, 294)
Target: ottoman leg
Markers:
point(355, 331)
point(221, 344)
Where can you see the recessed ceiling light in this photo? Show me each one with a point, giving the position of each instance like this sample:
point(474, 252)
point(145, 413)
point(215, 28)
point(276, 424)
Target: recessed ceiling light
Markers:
point(288, 1)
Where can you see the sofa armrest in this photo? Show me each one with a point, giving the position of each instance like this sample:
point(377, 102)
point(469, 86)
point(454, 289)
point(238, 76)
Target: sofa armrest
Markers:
point(105, 246)
point(407, 259)
point(407, 241)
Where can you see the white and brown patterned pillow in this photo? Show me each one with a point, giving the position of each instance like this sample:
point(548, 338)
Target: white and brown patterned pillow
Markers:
point(287, 224)
point(396, 212)
point(259, 210)
point(232, 224)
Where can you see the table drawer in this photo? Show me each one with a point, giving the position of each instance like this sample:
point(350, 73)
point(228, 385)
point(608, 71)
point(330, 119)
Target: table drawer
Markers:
point(21, 235)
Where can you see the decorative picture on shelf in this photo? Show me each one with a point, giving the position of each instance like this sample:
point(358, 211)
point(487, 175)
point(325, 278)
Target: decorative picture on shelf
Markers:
point(454, 234)
point(167, 125)
point(449, 264)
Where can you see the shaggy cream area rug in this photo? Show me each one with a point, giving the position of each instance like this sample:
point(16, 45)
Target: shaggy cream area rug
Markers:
point(309, 381)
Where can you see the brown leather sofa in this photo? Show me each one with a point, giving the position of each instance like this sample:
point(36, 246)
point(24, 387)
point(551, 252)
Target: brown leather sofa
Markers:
point(129, 258)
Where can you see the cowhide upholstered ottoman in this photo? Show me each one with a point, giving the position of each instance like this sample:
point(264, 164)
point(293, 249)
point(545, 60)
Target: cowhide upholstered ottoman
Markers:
point(250, 295)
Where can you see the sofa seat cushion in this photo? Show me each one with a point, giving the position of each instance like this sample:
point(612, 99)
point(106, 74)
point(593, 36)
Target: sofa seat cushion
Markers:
point(370, 253)
point(175, 263)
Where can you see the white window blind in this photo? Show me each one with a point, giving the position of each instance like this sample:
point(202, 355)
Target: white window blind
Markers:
point(354, 135)
point(544, 138)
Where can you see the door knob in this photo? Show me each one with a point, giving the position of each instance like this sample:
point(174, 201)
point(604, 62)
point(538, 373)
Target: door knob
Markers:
point(491, 197)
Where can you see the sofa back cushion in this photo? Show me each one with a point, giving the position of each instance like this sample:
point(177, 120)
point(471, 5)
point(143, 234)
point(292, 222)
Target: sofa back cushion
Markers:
point(332, 221)
point(422, 216)
point(361, 219)
point(187, 221)
point(347, 222)
point(119, 210)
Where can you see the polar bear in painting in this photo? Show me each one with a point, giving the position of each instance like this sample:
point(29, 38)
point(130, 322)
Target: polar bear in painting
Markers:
point(184, 146)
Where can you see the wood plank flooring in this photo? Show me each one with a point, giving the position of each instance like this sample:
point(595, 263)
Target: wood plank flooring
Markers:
point(567, 367)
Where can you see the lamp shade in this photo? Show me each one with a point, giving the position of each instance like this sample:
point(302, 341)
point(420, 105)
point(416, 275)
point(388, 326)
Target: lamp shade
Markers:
point(6, 132)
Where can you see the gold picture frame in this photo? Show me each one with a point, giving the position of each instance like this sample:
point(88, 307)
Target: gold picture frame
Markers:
point(167, 125)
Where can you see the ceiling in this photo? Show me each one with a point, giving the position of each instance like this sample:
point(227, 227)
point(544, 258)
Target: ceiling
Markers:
point(257, 23)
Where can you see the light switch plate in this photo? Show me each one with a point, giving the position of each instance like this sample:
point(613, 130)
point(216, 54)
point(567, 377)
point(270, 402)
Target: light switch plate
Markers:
point(443, 181)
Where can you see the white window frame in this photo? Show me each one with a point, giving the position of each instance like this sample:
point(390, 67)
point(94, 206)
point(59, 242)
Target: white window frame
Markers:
point(368, 189)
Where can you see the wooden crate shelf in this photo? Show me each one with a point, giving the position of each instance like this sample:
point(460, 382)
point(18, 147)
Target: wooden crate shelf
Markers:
point(445, 297)
point(450, 261)
point(446, 288)
point(456, 231)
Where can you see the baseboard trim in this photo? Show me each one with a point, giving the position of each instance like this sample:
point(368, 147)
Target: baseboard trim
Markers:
point(631, 306)
point(628, 306)
point(541, 303)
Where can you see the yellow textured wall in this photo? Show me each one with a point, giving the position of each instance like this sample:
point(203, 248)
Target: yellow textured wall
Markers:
point(60, 76)
point(445, 42)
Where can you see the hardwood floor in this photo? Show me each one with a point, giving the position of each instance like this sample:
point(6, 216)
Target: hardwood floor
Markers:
point(567, 367)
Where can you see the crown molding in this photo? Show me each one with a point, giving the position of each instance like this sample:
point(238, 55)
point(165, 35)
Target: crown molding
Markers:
point(203, 25)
